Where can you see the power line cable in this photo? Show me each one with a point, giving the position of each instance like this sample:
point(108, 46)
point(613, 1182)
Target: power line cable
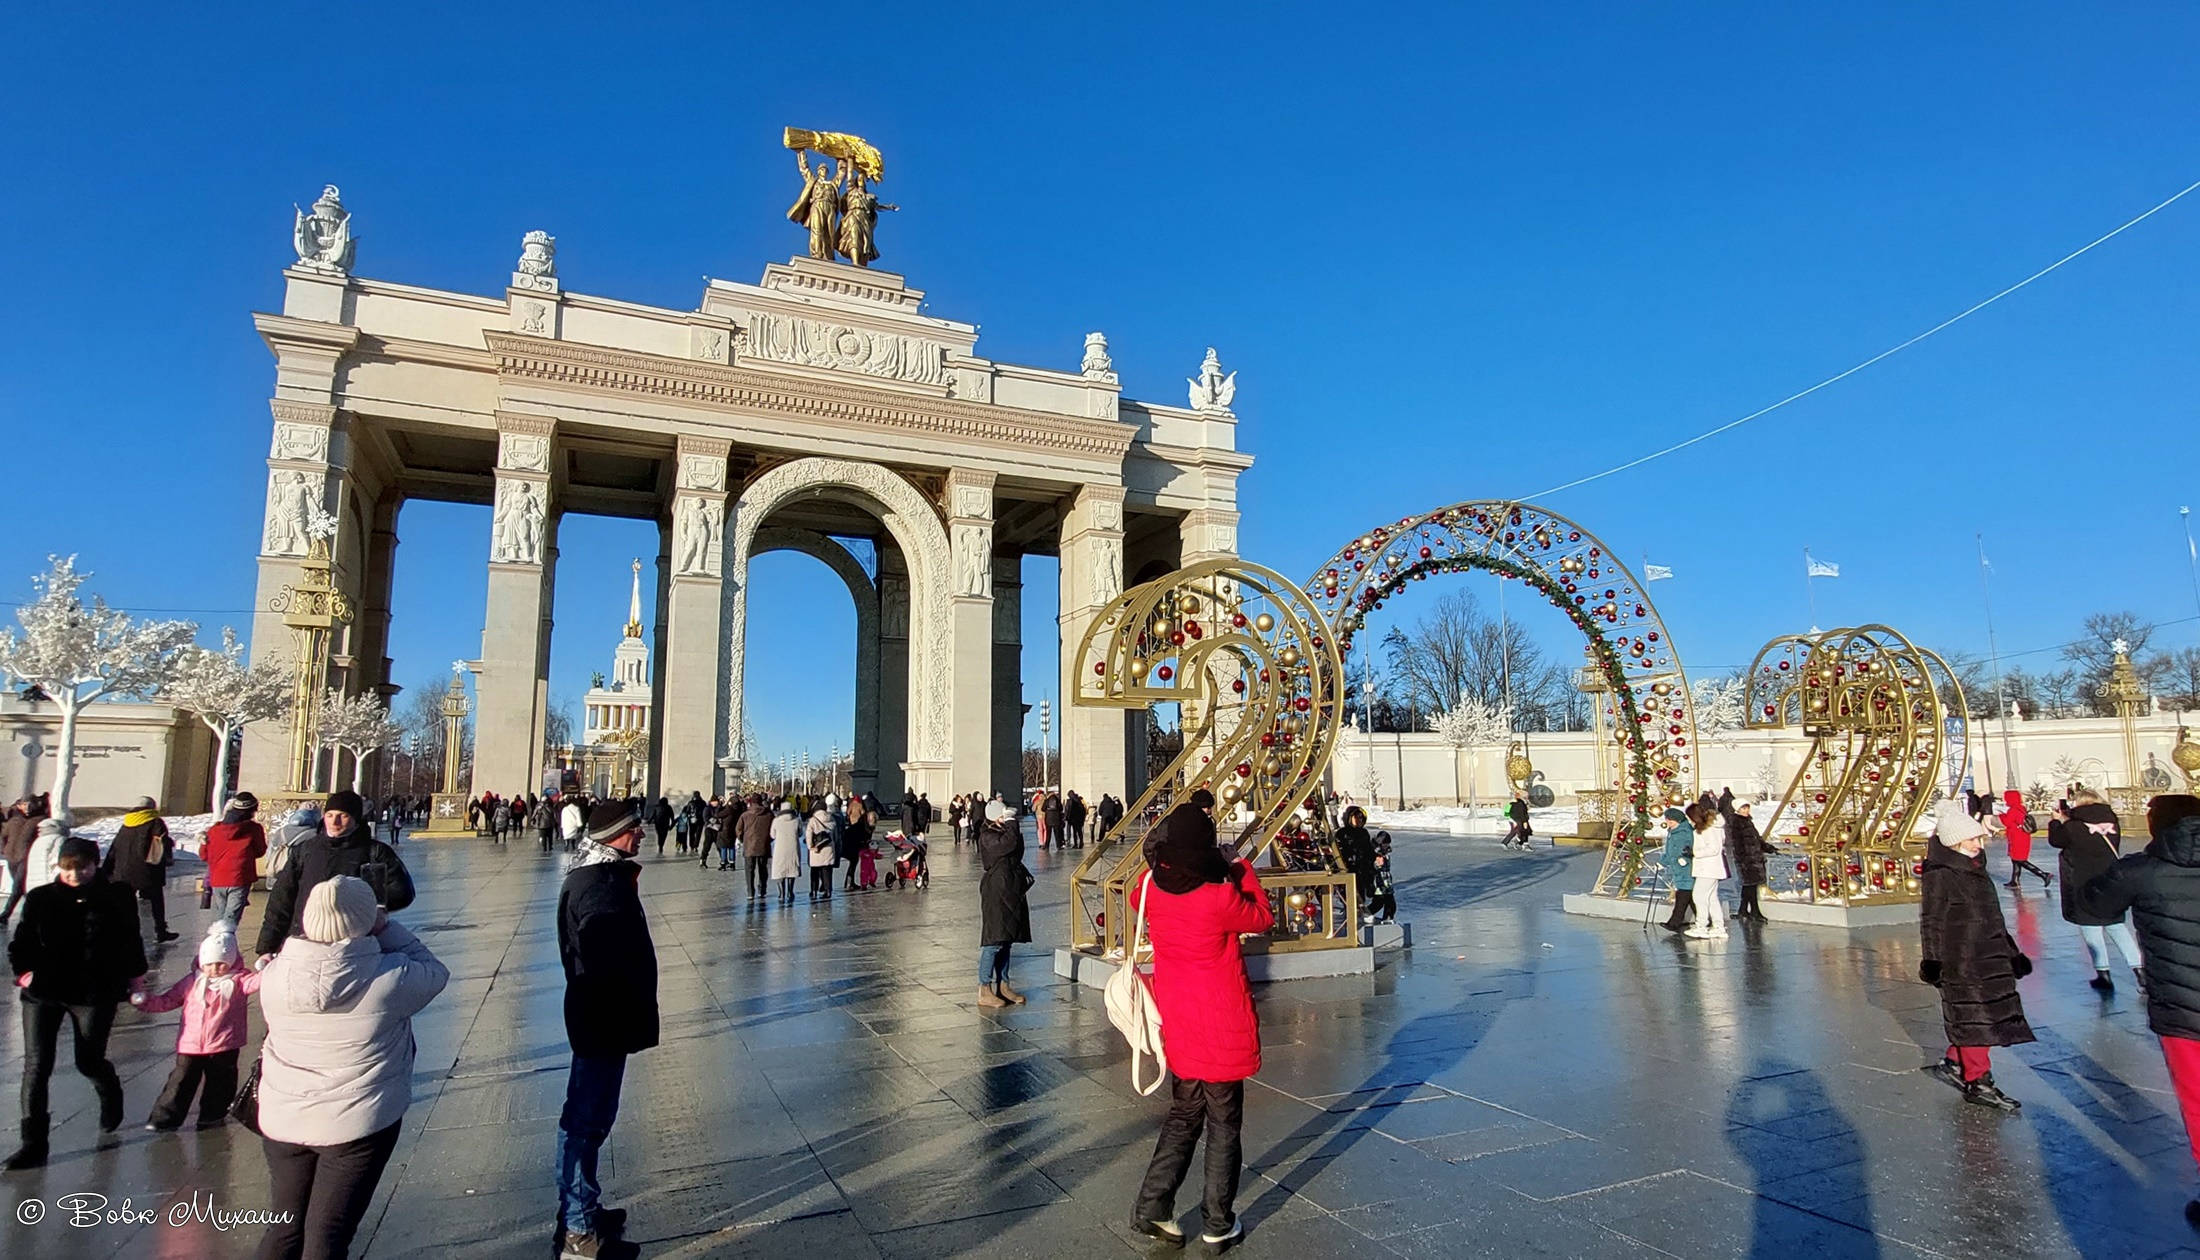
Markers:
point(1960, 316)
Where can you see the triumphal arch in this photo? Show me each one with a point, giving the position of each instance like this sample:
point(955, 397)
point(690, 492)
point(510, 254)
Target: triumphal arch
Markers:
point(821, 403)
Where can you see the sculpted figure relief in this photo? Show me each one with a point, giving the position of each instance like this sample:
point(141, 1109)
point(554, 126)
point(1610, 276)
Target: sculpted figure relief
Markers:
point(698, 533)
point(973, 559)
point(292, 503)
point(517, 528)
point(1107, 569)
point(538, 262)
point(893, 598)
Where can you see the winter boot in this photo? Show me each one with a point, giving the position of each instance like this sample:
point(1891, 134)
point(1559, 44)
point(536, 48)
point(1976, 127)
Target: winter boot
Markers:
point(1946, 1072)
point(2101, 981)
point(110, 1110)
point(1985, 1093)
point(32, 1154)
point(989, 998)
point(1014, 998)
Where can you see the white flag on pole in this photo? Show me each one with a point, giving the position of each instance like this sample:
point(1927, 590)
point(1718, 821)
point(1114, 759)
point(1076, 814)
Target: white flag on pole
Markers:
point(1816, 568)
point(1655, 572)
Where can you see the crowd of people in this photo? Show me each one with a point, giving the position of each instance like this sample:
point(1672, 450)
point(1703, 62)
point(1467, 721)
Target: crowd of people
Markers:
point(338, 980)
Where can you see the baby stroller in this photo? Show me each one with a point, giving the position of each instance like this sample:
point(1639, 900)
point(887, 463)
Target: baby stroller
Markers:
point(909, 865)
point(1382, 904)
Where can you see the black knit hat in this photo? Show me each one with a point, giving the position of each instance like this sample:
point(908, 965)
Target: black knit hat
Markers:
point(1203, 799)
point(345, 801)
point(610, 820)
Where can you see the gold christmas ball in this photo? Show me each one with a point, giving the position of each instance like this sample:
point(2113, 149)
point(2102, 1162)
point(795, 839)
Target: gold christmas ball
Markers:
point(1231, 793)
point(1296, 899)
point(1190, 604)
point(1289, 656)
point(1264, 623)
point(1518, 768)
point(1272, 767)
point(1138, 668)
point(2186, 756)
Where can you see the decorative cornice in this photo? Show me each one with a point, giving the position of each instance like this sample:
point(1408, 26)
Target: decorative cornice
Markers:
point(1193, 456)
point(434, 353)
point(734, 388)
point(289, 411)
point(279, 331)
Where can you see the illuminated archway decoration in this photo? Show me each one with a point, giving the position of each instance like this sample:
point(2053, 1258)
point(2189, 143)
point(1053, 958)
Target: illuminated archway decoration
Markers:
point(1653, 713)
point(1255, 669)
point(1876, 707)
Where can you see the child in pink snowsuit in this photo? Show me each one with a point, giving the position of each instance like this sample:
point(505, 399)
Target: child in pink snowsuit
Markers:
point(213, 998)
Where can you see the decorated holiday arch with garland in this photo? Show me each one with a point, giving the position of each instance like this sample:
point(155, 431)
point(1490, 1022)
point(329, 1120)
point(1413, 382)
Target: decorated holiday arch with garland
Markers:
point(1650, 705)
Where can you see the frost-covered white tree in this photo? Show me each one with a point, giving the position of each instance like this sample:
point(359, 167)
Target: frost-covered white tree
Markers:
point(358, 725)
point(1470, 726)
point(1718, 703)
point(217, 687)
point(77, 655)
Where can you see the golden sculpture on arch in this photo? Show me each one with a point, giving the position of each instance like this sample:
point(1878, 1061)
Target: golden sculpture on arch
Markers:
point(837, 205)
point(1256, 671)
point(1877, 708)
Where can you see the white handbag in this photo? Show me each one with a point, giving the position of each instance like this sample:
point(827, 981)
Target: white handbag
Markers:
point(1131, 1007)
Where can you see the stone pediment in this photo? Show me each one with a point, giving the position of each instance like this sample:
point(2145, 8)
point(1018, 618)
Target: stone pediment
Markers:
point(840, 402)
point(820, 316)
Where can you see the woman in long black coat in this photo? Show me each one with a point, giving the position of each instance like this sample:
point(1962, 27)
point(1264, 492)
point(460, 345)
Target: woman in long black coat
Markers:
point(1971, 958)
point(1746, 850)
point(1006, 915)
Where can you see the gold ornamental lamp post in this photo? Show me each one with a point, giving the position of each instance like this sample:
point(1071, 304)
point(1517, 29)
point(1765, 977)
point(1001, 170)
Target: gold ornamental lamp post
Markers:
point(312, 608)
point(447, 809)
point(2127, 695)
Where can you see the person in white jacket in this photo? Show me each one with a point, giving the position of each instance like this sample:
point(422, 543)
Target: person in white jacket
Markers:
point(1709, 867)
point(336, 1066)
point(572, 822)
point(789, 858)
point(43, 866)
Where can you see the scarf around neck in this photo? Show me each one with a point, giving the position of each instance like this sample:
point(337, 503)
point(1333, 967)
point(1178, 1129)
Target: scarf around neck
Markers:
point(587, 852)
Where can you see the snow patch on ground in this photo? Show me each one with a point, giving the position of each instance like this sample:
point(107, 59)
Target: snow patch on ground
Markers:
point(188, 831)
point(1488, 819)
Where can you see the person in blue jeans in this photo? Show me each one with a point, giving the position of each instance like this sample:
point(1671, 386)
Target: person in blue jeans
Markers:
point(610, 1013)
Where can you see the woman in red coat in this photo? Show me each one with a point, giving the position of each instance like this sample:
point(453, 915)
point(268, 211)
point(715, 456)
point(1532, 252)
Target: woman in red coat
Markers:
point(1199, 902)
point(2020, 839)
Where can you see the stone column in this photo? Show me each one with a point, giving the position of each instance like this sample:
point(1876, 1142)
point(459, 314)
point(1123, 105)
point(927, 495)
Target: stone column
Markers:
point(1008, 676)
point(1093, 743)
point(371, 626)
point(659, 785)
point(893, 669)
point(970, 541)
point(515, 638)
point(306, 462)
point(692, 660)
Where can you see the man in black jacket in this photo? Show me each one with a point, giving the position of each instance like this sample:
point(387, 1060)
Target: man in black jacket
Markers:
point(343, 848)
point(76, 956)
point(610, 1013)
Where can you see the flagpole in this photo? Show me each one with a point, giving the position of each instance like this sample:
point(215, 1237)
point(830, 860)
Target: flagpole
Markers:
point(2192, 556)
point(1810, 590)
point(1986, 588)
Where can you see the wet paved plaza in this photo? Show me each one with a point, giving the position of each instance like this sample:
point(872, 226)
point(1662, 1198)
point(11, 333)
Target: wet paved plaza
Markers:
point(1521, 1083)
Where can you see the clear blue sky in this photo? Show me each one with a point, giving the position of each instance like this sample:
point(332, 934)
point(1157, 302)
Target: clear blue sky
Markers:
point(1454, 253)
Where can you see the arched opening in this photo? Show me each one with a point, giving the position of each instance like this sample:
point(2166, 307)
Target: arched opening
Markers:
point(847, 499)
point(1630, 652)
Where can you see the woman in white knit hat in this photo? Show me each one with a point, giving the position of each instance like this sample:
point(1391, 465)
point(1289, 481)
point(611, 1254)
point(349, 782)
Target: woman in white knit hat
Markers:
point(336, 1067)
